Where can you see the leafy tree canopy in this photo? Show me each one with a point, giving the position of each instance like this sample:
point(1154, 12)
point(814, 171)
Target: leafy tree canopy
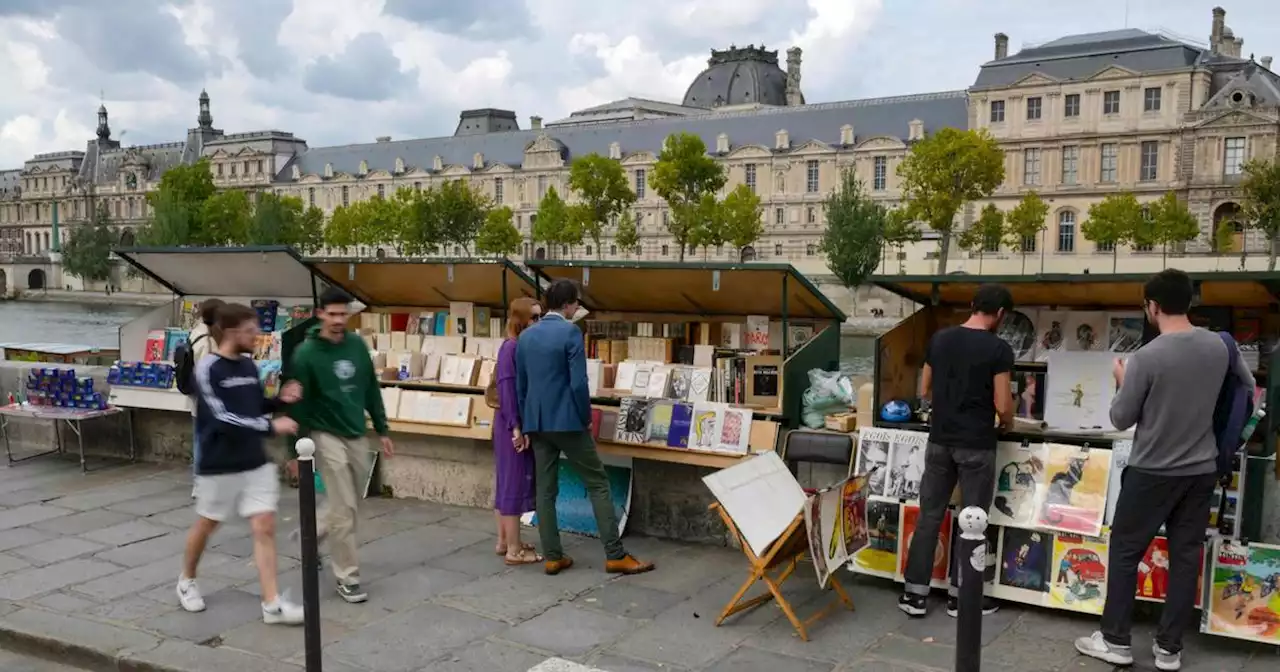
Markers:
point(855, 233)
point(499, 235)
point(1113, 221)
point(87, 252)
point(627, 237)
point(683, 176)
point(604, 191)
point(1261, 203)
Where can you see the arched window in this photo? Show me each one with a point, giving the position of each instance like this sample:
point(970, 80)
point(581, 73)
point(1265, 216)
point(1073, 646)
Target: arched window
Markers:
point(1067, 231)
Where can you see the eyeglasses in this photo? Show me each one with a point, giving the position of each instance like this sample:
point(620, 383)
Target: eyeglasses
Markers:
point(535, 317)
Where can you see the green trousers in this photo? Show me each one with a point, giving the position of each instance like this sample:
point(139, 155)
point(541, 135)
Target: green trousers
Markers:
point(580, 452)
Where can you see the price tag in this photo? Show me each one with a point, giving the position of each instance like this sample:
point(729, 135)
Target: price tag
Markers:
point(715, 281)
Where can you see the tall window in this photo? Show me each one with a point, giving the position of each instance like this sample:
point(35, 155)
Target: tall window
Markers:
point(498, 196)
point(1150, 160)
point(1067, 231)
point(779, 217)
point(750, 170)
point(665, 250)
point(131, 207)
point(1031, 166)
point(1233, 156)
point(810, 215)
point(542, 186)
point(997, 111)
point(811, 177)
point(1107, 247)
point(1071, 105)
point(346, 200)
point(1070, 164)
point(1111, 102)
point(1028, 244)
point(777, 249)
point(640, 185)
point(1034, 106)
point(1151, 99)
point(810, 249)
point(880, 173)
point(259, 166)
point(1108, 172)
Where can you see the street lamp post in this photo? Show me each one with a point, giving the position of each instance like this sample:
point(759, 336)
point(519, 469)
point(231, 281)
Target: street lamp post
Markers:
point(310, 553)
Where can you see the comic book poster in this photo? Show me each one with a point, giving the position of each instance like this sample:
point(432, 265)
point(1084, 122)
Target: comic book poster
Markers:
point(873, 457)
point(880, 557)
point(1244, 597)
point(836, 521)
point(1153, 573)
point(1024, 557)
point(1073, 498)
point(941, 553)
point(906, 465)
point(854, 498)
point(1019, 477)
point(1079, 573)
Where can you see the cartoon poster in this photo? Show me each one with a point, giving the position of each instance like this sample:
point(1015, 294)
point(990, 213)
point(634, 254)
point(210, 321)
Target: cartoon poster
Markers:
point(1024, 565)
point(1080, 388)
point(941, 553)
point(873, 457)
point(835, 520)
point(906, 465)
point(1153, 573)
point(1019, 477)
point(1244, 598)
point(1074, 496)
point(1079, 573)
point(880, 557)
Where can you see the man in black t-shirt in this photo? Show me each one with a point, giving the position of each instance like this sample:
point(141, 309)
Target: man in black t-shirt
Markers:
point(967, 375)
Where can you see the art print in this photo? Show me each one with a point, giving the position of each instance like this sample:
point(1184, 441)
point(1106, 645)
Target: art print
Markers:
point(1124, 331)
point(1051, 333)
point(906, 465)
point(680, 381)
point(873, 457)
point(1074, 496)
point(1244, 597)
point(704, 432)
point(1020, 475)
point(633, 415)
point(1079, 573)
point(1018, 329)
point(1029, 394)
point(1086, 331)
point(813, 525)
point(880, 557)
point(854, 496)
point(1024, 565)
point(1120, 450)
point(992, 550)
point(1153, 573)
point(836, 525)
point(658, 425)
point(1080, 388)
point(735, 430)
point(941, 551)
point(699, 385)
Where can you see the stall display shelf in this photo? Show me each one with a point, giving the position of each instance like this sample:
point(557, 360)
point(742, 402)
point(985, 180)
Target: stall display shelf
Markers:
point(160, 399)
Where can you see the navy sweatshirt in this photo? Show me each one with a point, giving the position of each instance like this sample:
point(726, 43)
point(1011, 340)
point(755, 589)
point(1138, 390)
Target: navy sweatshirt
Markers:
point(233, 415)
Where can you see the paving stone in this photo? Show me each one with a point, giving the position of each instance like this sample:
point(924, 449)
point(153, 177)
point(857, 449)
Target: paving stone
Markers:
point(52, 630)
point(149, 506)
point(372, 529)
point(127, 533)
point(839, 636)
point(23, 536)
point(143, 552)
point(412, 587)
point(67, 604)
point(278, 642)
point(747, 659)
point(405, 641)
point(941, 628)
point(14, 662)
point(1014, 648)
point(402, 550)
point(616, 663)
point(1063, 626)
point(476, 520)
point(180, 518)
point(623, 598)
point(167, 593)
point(87, 521)
point(139, 579)
point(518, 596)
point(687, 571)
point(104, 496)
point(31, 513)
point(180, 655)
point(225, 611)
point(328, 663)
point(478, 560)
point(27, 583)
point(899, 649)
point(877, 665)
point(244, 570)
point(10, 563)
point(486, 656)
point(56, 550)
point(567, 630)
point(132, 609)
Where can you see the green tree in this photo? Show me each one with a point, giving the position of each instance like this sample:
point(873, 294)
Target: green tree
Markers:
point(943, 172)
point(855, 232)
point(86, 253)
point(460, 211)
point(1112, 222)
point(499, 235)
point(900, 229)
point(178, 208)
point(710, 229)
point(739, 217)
point(1261, 202)
point(985, 234)
point(626, 236)
point(417, 220)
point(1173, 224)
point(310, 236)
point(683, 176)
point(1025, 222)
point(226, 219)
point(557, 223)
point(344, 229)
point(604, 191)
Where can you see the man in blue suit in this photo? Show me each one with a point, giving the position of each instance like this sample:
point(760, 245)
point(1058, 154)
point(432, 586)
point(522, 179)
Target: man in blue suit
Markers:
point(555, 414)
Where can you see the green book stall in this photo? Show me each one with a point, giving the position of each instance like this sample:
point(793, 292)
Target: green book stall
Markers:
point(1058, 471)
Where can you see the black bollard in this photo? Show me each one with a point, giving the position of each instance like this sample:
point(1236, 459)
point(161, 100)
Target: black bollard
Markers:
point(971, 562)
point(310, 552)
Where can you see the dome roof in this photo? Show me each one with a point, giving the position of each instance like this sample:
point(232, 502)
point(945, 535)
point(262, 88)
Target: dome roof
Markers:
point(737, 76)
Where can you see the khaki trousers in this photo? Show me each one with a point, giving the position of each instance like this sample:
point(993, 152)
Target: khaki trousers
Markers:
point(344, 465)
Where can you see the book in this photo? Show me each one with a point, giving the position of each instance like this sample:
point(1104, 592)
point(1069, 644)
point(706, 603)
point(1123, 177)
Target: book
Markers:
point(633, 416)
point(658, 425)
point(681, 420)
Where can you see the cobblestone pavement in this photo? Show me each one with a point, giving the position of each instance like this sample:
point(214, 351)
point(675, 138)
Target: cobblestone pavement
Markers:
point(17, 662)
point(88, 563)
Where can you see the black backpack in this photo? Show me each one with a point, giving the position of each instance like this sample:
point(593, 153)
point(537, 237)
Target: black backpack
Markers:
point(184, 365)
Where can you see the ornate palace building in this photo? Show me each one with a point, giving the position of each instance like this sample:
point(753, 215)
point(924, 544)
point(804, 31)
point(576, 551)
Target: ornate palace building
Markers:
point(1079, 117)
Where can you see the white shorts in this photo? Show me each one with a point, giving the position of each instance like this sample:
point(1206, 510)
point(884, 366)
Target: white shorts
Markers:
point(255, 492)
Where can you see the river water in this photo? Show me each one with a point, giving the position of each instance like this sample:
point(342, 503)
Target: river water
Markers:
point(90, 324)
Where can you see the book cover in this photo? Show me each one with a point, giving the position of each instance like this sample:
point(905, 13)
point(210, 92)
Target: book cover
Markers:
point(681, 421)
point(659, 423)
point(482, 322)
point(633, 416)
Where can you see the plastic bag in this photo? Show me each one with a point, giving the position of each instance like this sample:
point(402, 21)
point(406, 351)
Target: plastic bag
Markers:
point(829, 392)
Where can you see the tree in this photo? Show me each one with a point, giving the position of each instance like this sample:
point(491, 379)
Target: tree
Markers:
point(1113, 222)
point(417, 220)
point(1172, 223)
point(87, 252)
point(1261, 202)
point(855, 232)
point(460, 211)
point(943, 172)
point(603, 188)
point(1025, 222)
point(178, 207)
point(310, 230)
point(498, 235)
point(556, 223)
point(710, 228)
point(683, 175)
point(226, 218)
point(625, 236)
point(738, 216)
point(899, 230)
point(984, 234)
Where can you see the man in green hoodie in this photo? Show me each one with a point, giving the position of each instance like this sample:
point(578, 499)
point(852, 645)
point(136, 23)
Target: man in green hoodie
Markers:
point(339, 386)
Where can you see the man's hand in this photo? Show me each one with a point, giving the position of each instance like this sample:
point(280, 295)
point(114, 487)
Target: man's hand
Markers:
point(388, 448)
point(1117, 370)
point(291, 392)
point(284, 426)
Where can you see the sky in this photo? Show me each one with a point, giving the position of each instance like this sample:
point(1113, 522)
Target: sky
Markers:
point(347, 71)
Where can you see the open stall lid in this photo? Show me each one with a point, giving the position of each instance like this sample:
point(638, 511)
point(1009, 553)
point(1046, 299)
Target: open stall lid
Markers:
point(693, 289)
point(409, 283)
point(268, 271)
point(1245, 289)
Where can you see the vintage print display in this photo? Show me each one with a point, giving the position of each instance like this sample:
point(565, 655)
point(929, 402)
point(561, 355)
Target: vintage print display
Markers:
point(681, 377)
point(1153, 573)
point(1019, 330)
point(1051, 333)
point(813, 510)
point(941, 553)
point(1124, 331)
point(633, 416)
point(854, 500)
point(836, 525)
point(1079, 573)
point(658, 426)
point(1120, 450)
point(1020, 476)
point(1086, 331)
point(1029, 393)
point(704, 430)
point(1244, 597)
point(1074, 496)
point(873, 457)
point(1080, 389)
point(1024, 565)
point(735, 430)
point(906, 465)
point(880, 557)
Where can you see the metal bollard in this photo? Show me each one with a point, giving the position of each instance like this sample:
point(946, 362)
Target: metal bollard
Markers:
point(971, 549)
point(310, 553)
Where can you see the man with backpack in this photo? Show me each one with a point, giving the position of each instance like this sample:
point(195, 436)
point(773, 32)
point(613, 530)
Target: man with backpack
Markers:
point(1173, 389)
point(199, 343)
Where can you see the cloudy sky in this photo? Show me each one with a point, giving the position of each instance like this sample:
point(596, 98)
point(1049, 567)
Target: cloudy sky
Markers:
point(343, 71)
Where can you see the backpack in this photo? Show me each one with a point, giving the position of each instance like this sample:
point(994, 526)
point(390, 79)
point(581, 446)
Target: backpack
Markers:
point(1232, 411)
point(184, 365)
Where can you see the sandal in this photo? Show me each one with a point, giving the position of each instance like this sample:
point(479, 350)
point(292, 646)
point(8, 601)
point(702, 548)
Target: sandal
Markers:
point(527, 557)
point(523, 547)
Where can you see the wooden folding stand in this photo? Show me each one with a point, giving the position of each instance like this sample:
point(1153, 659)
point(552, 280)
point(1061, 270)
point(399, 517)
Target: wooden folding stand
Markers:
point(785, 552)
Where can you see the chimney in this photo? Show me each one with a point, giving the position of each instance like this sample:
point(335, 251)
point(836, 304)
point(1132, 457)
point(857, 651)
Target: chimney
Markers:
point(722, 143)
point(383, 138)
point(915, 130)
point(1002, 45)
point(1266, 62)
point(535, 122)
point(1237, 47)
point(794, 97)
point(1219, 24)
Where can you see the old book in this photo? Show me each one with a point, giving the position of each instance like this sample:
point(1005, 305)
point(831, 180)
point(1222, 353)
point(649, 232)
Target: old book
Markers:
point(659, 422)
point(764, 380)
point(633, 416)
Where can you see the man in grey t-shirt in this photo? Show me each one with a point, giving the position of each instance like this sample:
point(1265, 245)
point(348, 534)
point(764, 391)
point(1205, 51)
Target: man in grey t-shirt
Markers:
point(1169, 389)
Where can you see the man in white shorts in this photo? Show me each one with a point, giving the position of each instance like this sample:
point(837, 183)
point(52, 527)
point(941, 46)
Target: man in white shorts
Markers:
point(233, 474)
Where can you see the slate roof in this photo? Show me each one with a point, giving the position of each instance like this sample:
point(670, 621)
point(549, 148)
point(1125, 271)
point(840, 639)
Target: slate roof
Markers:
point(1078, 57)
point(869, 117)
point(738, 82)
point(10, 181)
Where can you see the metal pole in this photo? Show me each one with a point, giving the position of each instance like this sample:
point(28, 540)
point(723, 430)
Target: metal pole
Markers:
point(971, 563)
point(310, 562)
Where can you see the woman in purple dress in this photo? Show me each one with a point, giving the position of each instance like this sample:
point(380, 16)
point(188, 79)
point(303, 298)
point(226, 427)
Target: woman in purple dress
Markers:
point(513, 461)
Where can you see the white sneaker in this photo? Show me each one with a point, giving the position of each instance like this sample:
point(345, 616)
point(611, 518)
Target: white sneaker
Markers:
point(1095, 646)
point(189, 595)
point(1166, 660)
point(282, 612)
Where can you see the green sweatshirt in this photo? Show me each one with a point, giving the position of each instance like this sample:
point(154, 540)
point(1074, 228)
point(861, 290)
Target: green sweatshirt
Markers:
point(338, 386)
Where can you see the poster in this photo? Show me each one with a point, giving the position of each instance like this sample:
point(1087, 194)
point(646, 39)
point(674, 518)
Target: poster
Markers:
point(880, 557)
point(1018, 329)
point(1074, 496)
point(873, 457)
point(836, 522)
point(813, 510)
point(1124, 331)
point(1153, 573)
point(1020, 475)
point(760, 495)
point(1080, 388)
point(574, 512)
point(1079, 573)
point(1024, 565)
point(1120, 450)
point(942, 550)
point(704, 429)
point(1244, 597)
point(1086, 331)
point(1051, 330)
point(1029, 394)
point(906, 465)
point(993, 551)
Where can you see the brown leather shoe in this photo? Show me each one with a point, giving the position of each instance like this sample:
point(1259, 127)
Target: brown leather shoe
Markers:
point(628, 565)
point(553, 567)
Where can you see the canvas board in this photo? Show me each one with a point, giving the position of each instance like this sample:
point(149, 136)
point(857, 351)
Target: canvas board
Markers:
point(760, 495)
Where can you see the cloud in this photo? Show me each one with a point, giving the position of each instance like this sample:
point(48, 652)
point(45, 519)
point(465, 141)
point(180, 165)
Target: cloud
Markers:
point(365, 70)
point(486, 20)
